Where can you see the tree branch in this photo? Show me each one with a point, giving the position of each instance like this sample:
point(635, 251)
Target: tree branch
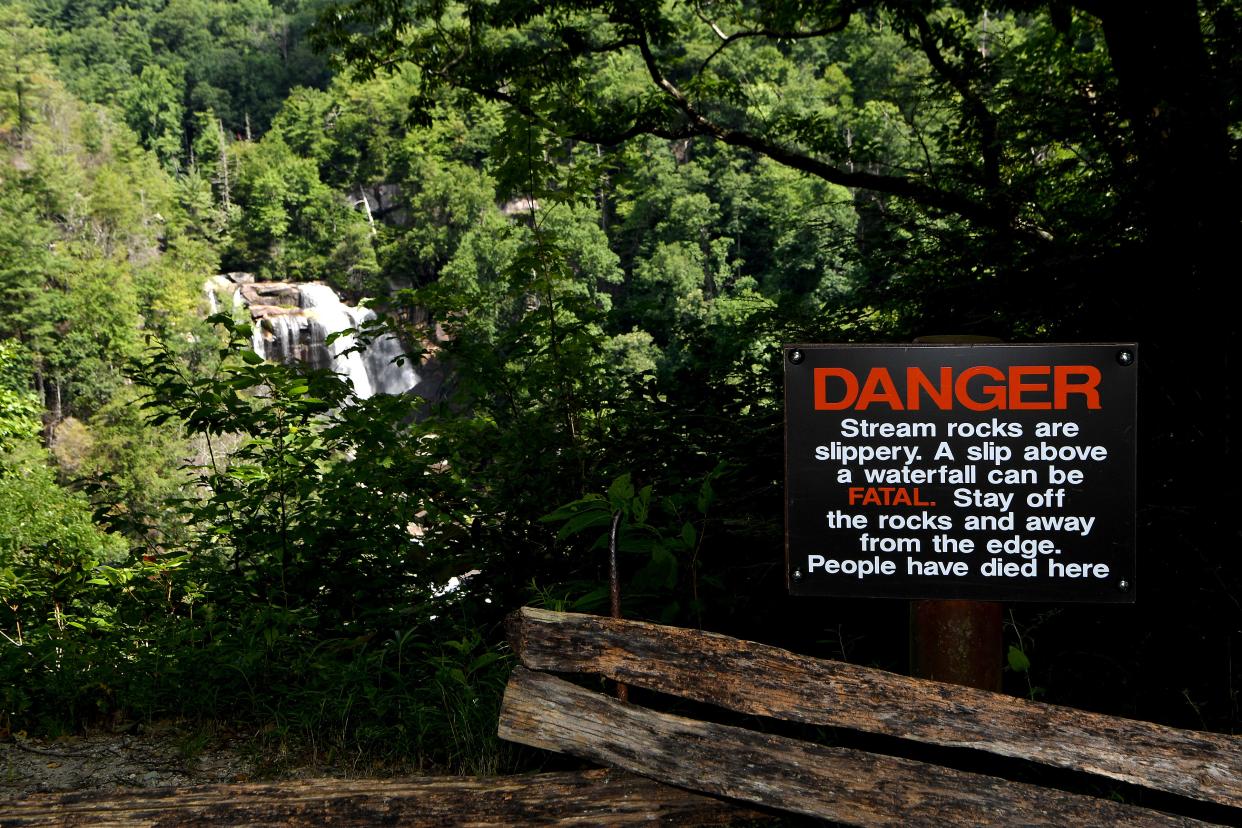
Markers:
point(983, 214)
point(771, 34)
point(991, 211)
point(989, 145)
point(590, 136)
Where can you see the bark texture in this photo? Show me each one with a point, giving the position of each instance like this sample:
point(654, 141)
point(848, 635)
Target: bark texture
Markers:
point(841, 784)
point(767, 681)
point(588, 798)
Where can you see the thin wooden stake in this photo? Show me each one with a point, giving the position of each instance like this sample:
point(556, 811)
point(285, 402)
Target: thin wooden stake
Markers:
point(614, 587)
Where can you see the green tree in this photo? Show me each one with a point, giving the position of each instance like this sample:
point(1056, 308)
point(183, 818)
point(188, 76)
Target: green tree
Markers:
point(153, 109)
point(314, 561)
point(289, 224)
point(932, 109)
point(23, 68)
point(238, 58)
point(25, 243)
point(50, 553)
point(19, 408)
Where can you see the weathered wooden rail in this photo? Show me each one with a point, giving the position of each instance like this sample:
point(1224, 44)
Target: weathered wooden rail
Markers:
point(844, 785)
point(714, 772)
point(588, 798)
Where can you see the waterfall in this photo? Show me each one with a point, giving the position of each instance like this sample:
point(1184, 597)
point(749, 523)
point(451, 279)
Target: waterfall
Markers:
point(292, 323)
point(213, 287)
point(326, 314)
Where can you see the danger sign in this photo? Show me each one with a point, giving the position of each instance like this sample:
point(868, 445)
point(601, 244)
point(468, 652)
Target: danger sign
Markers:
point(986, 471)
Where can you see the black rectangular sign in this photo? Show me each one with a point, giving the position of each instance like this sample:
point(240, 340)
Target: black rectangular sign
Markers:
point(992, 472)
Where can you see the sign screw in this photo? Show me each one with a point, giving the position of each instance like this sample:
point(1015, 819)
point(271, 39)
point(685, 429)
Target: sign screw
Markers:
point(1124, 586)
point(796, 356)
point(1125, 357)
point(797, 574)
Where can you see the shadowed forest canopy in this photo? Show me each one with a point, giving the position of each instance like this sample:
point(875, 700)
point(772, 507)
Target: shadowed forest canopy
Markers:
point(1060, 131)
point(592, 226)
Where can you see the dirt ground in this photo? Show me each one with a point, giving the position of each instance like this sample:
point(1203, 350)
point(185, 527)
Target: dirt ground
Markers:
point(163, 754)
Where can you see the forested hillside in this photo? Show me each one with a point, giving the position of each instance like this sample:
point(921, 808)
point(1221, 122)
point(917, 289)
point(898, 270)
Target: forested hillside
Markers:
point(595, 224)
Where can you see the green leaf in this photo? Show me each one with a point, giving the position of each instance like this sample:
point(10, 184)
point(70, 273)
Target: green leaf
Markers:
point(660, 571)
point(482, 661)
point(1018, 662)
point(621, 492)
point(592, 501)
point(584, 521)
point(688, 535)
point(251, 358)
point(706, 496)
point(591, 601)
point(642, 505)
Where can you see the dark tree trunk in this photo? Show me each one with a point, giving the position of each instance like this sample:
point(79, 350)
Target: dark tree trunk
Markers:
point(1168, 290)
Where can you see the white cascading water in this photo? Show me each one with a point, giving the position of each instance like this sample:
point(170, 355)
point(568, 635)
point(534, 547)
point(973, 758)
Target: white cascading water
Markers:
point(326, 314)
point(285, 334)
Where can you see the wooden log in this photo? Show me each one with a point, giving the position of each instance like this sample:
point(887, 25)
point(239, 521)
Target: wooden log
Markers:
point(841, 784)
point(594, 797)
point(767, 681)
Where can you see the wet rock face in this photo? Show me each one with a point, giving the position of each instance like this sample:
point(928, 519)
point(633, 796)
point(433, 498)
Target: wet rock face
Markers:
point(278, 294)
point(289, 336)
